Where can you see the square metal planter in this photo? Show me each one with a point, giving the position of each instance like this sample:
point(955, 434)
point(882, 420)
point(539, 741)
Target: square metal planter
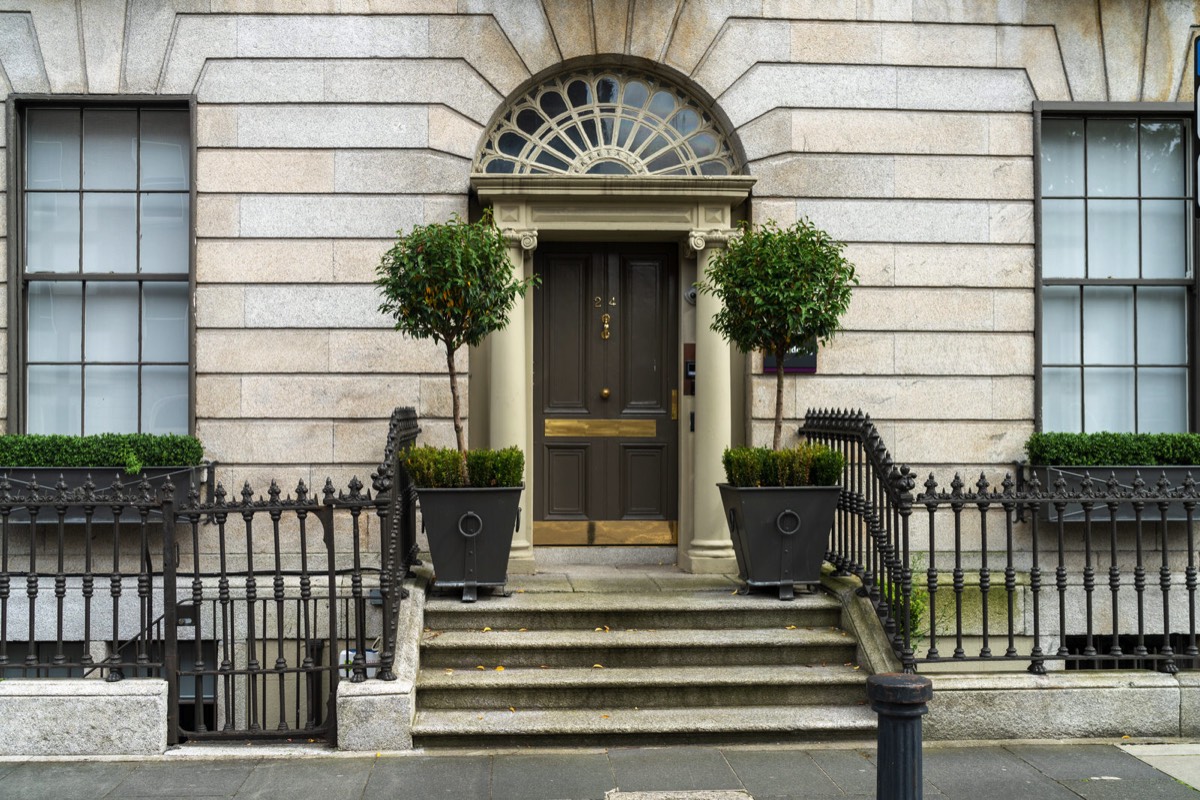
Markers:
point(780, 534)
point(470, 535)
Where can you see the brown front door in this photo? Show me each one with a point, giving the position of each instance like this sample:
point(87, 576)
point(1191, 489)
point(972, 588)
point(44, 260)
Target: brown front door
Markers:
point(605, 394)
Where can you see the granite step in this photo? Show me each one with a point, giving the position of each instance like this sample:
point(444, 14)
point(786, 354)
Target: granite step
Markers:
point(640, 687)
point(627, 726)
point(580, 610)
point(788, 645)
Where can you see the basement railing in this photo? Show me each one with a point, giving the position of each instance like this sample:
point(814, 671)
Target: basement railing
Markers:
point(250, 606)
point(1087, 572)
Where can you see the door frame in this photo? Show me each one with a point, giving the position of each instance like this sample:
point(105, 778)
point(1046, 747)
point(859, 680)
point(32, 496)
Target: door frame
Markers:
point(697, 214)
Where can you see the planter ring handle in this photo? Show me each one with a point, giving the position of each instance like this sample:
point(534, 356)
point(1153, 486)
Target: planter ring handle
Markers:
point(465, 530)
point(787, 514)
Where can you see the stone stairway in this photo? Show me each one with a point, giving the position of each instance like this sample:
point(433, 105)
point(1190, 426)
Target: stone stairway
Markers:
point(601, 667)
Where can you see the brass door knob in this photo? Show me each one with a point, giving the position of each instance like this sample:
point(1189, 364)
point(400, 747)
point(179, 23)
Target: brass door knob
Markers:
point(604, 393)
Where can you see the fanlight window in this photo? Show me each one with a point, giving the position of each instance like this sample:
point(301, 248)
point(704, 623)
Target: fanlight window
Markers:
point(601, 122)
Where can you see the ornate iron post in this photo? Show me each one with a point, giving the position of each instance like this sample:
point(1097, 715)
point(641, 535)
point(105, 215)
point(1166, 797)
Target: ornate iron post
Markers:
point(900, 700)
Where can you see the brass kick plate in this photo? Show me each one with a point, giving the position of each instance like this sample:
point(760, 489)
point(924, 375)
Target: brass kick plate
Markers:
point(602, 532)
point(632, 428)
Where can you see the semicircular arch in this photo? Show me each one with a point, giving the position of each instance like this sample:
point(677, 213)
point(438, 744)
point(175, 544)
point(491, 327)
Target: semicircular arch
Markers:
point(621, 118)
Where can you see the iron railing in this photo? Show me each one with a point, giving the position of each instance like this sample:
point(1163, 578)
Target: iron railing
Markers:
point(1028, 565)
point(251, 608)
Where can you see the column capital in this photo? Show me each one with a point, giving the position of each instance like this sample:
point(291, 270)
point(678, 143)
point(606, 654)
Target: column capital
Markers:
point(526, 239)
point(699, 240)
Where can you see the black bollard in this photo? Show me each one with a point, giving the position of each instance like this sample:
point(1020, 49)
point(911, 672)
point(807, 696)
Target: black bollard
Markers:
point(900, 701)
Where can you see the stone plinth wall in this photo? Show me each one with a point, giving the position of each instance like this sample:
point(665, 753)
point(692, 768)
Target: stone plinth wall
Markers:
point(83, 717)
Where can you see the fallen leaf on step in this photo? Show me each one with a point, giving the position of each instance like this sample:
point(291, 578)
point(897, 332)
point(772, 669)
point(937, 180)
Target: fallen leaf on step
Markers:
point(790, 628)
point(520, 591)
point(857, 667)
point(499, 669)
point(510, 708)
point(604, 716)
point(448, 670)
point(606, 629)
point(597, 666)
point(542, 666)
point(522, 630)
point(481, 666)
point(487, 630)
point(599, 629)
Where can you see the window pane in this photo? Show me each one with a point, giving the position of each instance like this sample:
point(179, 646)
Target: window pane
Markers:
point(1162, 401)
point(52, 151)
point(1163, 166)
point(1062, 157)
point(1062, 406)
point(1162, 325)
point(1112, 239)
point(1060, 325)
point(1062, 239)
point(55, 321)
point(52, 232)
point(1112, 157)
point(1164, 238)
point(111, 327)
point(53, 401)
point(109, 232)
point(1107, 326)
point(165, 233)
point(110, 400)
point(165, 400)
point(166, 157)
point(1109, 395)
point(164, 322)
point(109, 149)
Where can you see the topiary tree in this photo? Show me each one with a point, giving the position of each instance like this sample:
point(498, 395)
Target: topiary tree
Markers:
point(782, 290)
point(451, 282)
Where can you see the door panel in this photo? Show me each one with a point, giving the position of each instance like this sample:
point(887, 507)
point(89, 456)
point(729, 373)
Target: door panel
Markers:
point(566, 354)
point(605, 365)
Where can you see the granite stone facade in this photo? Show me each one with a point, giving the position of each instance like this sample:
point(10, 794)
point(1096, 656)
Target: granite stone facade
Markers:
point(904, 127)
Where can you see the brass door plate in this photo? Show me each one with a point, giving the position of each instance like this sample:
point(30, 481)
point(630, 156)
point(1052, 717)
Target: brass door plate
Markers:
point(583, 428)
point(605, 532)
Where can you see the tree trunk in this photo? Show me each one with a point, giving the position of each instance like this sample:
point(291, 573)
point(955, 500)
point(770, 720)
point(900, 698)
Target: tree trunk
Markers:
point(456, 405)
point(780, 354)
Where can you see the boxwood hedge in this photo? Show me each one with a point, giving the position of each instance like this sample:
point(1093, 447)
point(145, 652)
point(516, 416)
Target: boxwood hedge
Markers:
point(133, 451)
point(1113, 449)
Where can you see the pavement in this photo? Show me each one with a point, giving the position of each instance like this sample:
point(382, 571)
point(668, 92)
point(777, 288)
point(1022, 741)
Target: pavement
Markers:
point(978, 771)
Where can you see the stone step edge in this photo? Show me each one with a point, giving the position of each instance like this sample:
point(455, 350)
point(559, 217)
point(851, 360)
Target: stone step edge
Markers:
point(635, 639)
point(662, 601)
point(458, 679)
point(729, 720)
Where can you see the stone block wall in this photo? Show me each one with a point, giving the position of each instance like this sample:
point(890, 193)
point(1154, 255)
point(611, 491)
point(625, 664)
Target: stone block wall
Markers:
point(323, 126)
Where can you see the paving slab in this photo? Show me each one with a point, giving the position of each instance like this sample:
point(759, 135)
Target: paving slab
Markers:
point(75, 780)
point(448, 777)
point(541, 582)
point(334, 779)
point(201, 779)
point(577, 776)
point(662, 769)
point(1081, 762)
point(767, 773)
point(975, 772)
point(852, 770)
point(619, 583)
point(1161, 788)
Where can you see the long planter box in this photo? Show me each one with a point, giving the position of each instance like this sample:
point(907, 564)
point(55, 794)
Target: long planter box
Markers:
point(102, 477)
point(1073, 512)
